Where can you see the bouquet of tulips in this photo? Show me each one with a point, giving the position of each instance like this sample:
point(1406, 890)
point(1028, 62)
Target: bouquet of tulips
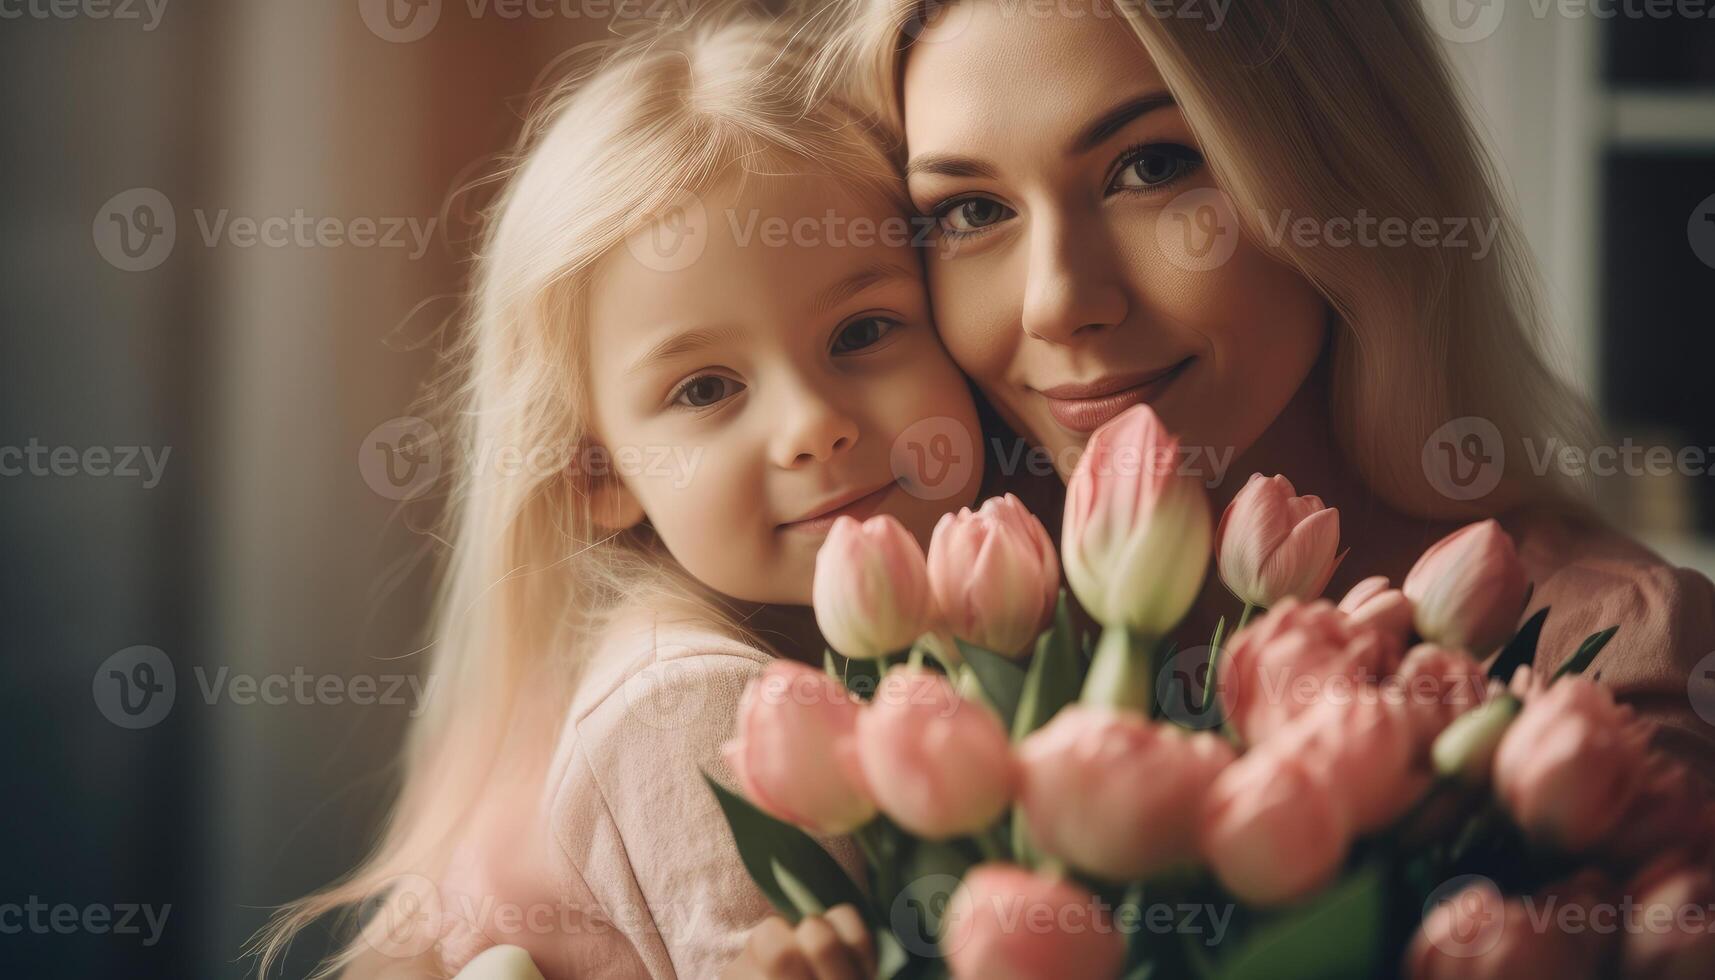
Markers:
point(1330, 791)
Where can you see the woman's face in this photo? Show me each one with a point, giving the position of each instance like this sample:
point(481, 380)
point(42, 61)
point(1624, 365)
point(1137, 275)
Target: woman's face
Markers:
point(1073, 276)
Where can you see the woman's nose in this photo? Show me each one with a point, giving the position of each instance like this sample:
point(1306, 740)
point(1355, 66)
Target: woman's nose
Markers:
point(1073, 287)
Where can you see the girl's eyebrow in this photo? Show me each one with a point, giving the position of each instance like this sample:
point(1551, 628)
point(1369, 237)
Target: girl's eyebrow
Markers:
point(870, 275)
point(1093, 135)
point(684, 342)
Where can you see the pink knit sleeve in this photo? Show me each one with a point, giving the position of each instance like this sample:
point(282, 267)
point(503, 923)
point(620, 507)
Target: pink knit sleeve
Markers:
point(1662, 660)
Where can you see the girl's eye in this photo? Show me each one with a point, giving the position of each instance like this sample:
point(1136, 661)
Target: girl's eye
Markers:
point(972, 214)
point(1156, 165)
point(859, 334)
point(706, 390)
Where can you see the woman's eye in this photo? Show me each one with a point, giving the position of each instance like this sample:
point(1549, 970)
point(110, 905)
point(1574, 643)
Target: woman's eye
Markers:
point(971, 215)
point(859, 334)
point(709, 389)
point(1156, 165)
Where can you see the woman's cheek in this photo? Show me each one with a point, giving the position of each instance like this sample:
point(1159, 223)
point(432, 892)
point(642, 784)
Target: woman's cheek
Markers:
point(978, 317)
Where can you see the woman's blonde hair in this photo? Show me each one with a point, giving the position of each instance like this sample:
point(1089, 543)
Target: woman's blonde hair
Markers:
point(1329, 109)
point(528, 575)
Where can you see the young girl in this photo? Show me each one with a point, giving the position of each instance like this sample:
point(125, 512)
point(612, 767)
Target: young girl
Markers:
point(699, 296)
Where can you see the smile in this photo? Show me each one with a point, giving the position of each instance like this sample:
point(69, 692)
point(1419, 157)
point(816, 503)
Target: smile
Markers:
point(1086, 407)
point(859, 505)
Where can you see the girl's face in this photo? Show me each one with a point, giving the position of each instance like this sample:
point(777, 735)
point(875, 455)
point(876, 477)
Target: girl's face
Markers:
point(1081, 268)
point(763, 361)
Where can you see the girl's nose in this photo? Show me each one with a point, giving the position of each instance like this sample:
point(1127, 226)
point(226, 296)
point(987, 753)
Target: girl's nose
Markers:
point(1073, 287)
point(811, 429)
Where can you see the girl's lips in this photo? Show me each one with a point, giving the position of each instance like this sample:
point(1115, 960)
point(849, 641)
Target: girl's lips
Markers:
point(861, 508)
point(1087, 412)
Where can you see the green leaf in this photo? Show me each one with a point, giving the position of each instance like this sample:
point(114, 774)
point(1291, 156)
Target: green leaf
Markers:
point(1587, 651)
point(1337, 935)
point(766, 844)
point(1001, 679)
point(796, 892)
point(1055, 676)
point(1520, 650)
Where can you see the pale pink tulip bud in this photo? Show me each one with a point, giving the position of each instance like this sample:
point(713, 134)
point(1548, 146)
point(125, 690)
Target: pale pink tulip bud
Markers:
point(1136, 539)
point(1272, 830)
point(1371, 602)
point(1437, 685)
point(1571, 763)
point(1272, 544)
point(871, 588)
point(1005, 923)
point(1365, 750)
point(994, 576)
point(1477, 934)
point(1291, 658)
point(1115, 795)
point(795, 752)
point(1469, 589)
point(938, 765)
point(1671, 937)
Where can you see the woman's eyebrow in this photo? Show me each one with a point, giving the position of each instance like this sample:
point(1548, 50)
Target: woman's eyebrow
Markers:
point(1115, 119)
point(1092, 136)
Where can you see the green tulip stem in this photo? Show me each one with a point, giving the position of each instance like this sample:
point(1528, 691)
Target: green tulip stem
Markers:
point(993, 845)
point(1244, 617)
point(1122, 671)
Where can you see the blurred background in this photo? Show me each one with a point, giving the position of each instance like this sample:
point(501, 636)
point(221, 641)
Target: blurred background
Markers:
point(232, 238)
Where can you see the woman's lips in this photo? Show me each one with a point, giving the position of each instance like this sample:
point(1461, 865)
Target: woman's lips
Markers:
point(861, 508)
point(1086, 407)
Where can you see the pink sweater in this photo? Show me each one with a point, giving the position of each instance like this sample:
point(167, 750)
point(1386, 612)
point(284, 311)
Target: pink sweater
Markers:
point(624, 868)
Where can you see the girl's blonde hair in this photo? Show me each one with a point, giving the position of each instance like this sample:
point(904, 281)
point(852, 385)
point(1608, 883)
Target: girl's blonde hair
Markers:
point(1325, 109)
point(528, 575)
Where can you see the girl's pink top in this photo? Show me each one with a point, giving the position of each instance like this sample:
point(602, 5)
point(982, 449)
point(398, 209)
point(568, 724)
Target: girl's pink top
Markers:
point(624, 868)
point(1662, 661)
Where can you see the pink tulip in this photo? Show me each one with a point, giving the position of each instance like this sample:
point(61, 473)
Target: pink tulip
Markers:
point(1365, 751)
point(1114, 795)
point(1005, 923)
point(994, 576)
point(1437, 685)
point(1477, 934)
point(871, 587)
point(795, 749)
point(1296, 655)
point(1272, 830)
point(938, 765)
point(1136, 539)
point(1468, 589)
point(1671, 936)
point(1371, 602)
point(1571, 764)
point(1271, 544)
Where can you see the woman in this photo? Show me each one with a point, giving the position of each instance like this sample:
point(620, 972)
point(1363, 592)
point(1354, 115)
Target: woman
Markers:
point(1272, 222)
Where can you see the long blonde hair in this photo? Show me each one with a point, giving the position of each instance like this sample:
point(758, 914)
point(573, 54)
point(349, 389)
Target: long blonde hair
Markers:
point(528, 575)
point(1324, 109)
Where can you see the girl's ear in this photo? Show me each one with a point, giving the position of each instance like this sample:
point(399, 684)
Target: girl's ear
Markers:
point(613, 506)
